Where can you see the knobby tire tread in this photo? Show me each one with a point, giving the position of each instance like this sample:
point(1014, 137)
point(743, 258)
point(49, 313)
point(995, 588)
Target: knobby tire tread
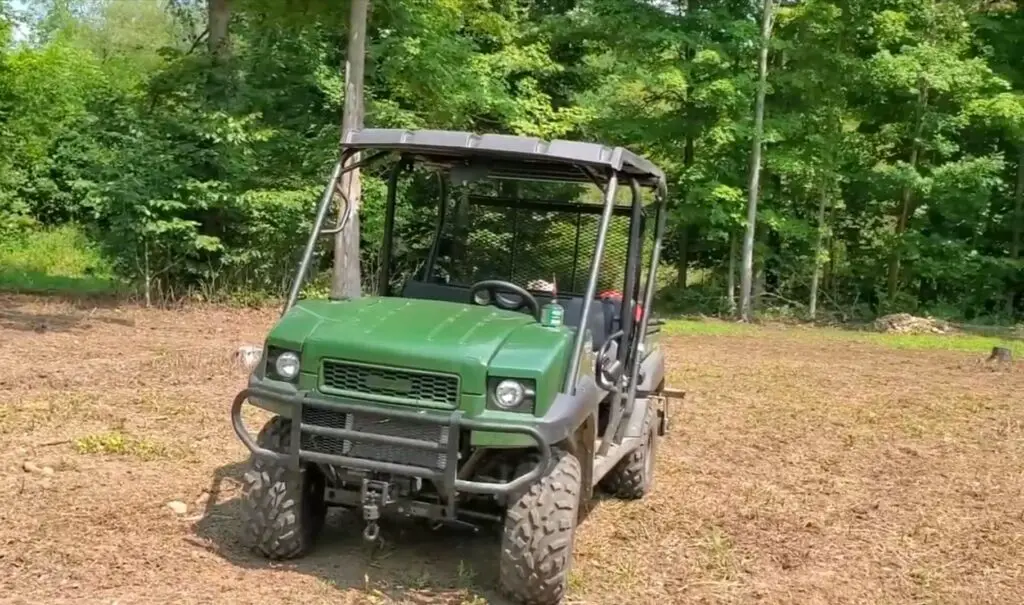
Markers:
point(280, 521)
point(628, 480)
point(539, 533)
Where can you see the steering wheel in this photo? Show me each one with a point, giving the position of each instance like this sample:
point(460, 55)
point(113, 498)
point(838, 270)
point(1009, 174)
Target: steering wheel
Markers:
point(492, 286)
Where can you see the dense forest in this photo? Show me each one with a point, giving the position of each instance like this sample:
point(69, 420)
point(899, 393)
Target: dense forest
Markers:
point(189, 140)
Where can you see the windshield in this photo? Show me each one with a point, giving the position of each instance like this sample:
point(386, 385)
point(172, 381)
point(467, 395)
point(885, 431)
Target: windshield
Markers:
point(529, 244)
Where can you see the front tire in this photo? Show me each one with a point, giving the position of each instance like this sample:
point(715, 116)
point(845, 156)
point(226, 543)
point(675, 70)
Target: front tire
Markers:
point(539, 534)
point(283, 510)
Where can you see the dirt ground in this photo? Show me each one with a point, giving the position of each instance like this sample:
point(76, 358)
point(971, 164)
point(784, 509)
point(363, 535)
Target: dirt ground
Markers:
point(802, 469)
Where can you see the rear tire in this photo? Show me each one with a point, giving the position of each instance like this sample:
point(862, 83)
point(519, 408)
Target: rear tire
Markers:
point(539, 534)
point(633, 477)
point(283, 510)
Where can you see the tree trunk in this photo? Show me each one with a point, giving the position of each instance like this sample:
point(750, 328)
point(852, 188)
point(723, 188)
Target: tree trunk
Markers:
point(684, 238)
point(218, 16)
point(760, 272)
point(346, 282)
point(1018, 207)
point(731, 283)
point(1018, 226)
point(906, 205)
point(813, 304)
point(147, 275)
point(746, 269)
point(830, 276)
point(684, 257)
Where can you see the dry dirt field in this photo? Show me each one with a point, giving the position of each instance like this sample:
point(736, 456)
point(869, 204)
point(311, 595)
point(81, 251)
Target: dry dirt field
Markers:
point(803, 469)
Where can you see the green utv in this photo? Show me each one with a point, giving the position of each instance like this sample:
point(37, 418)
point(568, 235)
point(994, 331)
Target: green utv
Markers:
point(466, 392)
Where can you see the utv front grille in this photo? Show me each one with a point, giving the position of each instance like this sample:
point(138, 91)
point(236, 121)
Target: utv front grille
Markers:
point(380, 425)
point(391, 383)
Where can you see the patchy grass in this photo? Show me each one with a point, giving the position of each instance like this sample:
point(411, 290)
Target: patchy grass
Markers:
point(706, 327)
point(968, 343)
point(944, 342)
point(118, 443)
point(61, 260)
point(804, 466)
point(717, 556)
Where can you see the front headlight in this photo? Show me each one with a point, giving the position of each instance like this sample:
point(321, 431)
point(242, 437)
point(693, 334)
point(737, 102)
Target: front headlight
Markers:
point(286, 365)
point(509, 394)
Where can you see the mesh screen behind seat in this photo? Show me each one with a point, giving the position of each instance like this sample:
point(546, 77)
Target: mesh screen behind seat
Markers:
point(520, 244)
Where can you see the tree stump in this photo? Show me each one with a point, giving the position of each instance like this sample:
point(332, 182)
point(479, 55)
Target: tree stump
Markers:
point(1001, 354)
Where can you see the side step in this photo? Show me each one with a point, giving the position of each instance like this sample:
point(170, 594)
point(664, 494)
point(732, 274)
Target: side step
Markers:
point(603, 464)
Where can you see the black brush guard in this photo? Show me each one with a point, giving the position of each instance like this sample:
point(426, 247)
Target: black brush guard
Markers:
point(447, 477)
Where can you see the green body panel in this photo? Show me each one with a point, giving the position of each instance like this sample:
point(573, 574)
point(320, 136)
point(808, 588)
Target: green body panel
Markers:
point(467, 340)
point(531, 352)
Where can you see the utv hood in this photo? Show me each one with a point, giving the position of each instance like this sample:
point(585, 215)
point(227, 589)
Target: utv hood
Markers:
point(418, 334)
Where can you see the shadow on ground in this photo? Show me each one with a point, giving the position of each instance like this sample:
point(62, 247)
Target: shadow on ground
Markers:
point(413, 564)
point(78, 319)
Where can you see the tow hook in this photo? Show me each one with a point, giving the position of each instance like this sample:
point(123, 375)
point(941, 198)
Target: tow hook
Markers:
point(375, 495)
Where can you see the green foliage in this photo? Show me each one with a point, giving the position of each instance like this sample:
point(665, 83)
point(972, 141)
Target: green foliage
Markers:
point(59, 260)
point(902, 121)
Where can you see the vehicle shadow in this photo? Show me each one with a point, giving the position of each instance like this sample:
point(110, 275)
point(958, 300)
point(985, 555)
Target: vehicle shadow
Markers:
point(413, 562)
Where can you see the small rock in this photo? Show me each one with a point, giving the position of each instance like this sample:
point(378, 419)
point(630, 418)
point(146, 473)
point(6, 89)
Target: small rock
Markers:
point(45, 484)
point(179, 508)
point(31, 467)
point(47, 470)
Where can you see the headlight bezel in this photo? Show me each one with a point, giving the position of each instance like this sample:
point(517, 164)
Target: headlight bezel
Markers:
point(274, 354)
point(509, 387)
point(526, 405)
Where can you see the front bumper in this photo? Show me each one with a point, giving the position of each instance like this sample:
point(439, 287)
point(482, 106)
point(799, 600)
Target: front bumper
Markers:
point(453, 420)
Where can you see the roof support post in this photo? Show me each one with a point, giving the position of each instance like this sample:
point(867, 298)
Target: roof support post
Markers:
point(611, 188)
point(384, 274)
point(314, 234)
point(652, 284)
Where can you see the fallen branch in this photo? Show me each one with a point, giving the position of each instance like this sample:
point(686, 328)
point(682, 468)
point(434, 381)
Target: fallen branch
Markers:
point(52, 443)
point(784, 299)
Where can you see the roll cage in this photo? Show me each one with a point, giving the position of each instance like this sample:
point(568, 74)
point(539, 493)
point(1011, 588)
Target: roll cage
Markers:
point(467, 157)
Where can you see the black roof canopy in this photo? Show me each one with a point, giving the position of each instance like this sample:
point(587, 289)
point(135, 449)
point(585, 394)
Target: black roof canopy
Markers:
point(511, 156)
